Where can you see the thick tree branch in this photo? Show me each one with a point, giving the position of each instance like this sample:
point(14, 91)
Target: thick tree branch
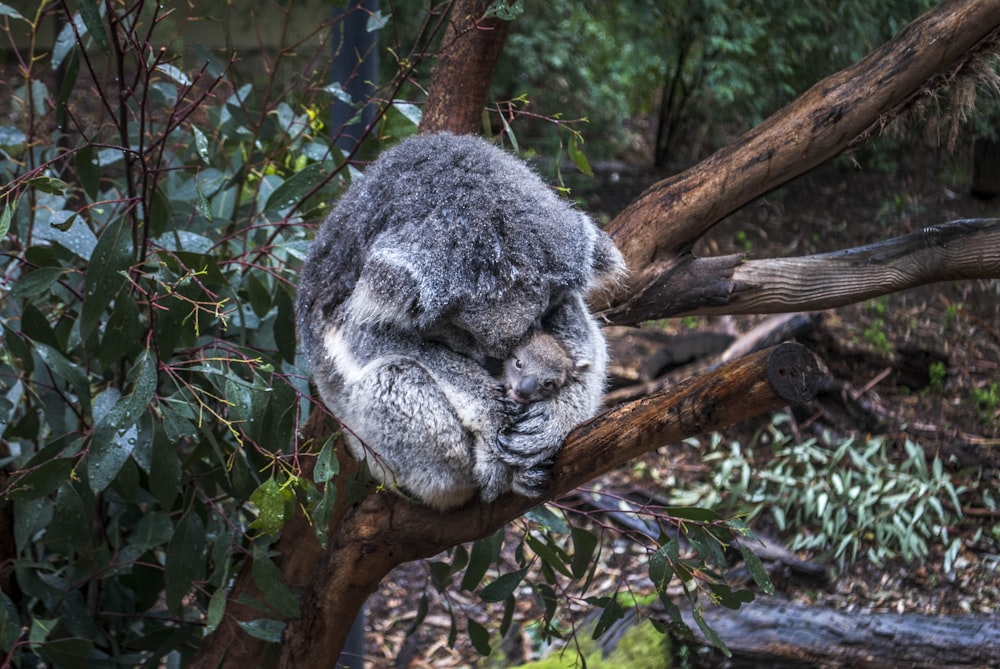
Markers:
point(384, 531)
point(656, 230)
point(968, 249)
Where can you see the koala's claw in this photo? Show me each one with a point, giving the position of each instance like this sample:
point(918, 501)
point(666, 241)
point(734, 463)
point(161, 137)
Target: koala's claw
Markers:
point(533, 481)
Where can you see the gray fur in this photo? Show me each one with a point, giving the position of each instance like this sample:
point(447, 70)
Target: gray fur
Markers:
point(438, 260)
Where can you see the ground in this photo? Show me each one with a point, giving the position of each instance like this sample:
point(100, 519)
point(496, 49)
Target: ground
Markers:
point(882, 349)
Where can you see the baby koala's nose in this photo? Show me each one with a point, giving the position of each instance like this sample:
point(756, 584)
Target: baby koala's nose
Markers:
point(527, 386)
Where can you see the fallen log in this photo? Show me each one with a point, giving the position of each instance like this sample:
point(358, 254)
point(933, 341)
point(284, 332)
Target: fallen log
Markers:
point(774, 632)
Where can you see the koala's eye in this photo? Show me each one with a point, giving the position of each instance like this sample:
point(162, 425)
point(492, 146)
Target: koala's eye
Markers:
point(518, 364)
point(550, 384)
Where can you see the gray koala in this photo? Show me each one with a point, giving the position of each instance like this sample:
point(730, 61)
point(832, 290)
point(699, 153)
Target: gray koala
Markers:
point(429, 270)
point(538, 368)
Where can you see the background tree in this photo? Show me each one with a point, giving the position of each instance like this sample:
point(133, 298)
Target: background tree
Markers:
point(153, 407)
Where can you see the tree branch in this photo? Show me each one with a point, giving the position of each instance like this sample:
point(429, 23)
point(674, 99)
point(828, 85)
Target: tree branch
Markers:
point(967, 249)
point(384, 530)
point(659, 228)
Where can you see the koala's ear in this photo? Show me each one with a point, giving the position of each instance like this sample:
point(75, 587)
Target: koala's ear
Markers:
point(582, 366)
point(606, 261)
point(387, 291)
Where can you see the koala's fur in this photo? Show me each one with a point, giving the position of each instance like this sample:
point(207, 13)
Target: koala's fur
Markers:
point(538, 368)
point(434, 264)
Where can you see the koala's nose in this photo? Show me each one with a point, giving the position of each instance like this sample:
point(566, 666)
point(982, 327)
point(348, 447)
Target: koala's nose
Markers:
point(527, 386)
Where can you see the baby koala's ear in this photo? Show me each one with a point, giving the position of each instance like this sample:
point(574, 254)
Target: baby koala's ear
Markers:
point(387, 291)
point(582, 366)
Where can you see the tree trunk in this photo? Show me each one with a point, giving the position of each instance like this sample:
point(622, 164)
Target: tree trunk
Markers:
point(464, 69)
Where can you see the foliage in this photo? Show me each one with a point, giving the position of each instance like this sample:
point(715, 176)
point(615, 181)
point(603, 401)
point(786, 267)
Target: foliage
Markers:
point(733, 62)
point(640, 647)
point(986, 400)
point(835, 497)
point(153, 217)
point(558, 561)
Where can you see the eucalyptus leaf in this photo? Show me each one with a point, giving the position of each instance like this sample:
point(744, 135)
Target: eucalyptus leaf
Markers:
point(267, 630)
point(116, 433)
point(272, 585)
point(112, 256)
point(503, 586)
point(185, 562)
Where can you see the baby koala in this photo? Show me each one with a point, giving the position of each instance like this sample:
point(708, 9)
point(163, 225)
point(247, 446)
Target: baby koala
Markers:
point(538, 367)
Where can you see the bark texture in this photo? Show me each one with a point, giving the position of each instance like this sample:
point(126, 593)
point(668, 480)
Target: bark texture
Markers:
point(464, 69)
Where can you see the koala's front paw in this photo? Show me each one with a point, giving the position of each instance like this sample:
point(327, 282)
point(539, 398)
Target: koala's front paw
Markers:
point(523, 444)
point(533, 481)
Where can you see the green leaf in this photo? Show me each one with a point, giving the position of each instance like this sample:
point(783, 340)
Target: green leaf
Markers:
point(273, 504)
point(88, 171)
point(66, 370)
point(10, 622)
point(112, 255)
point(5, 217)
point(327, 465)
point(479, 637)
point(409, 111)
point(612, 613)
point(480, 559)
point(267, 630)
point(505, 10)
point(7, 10)
point(710, 634)
point(545, 516)
point(756, 568)
point(578, 157)
point(692, 513)
point(185, 562)
point(376, 21)
point(584, 544)
point(295, 188)
point(165, 470)
point(201, 145)
point(216, 609)
point(92, 17)
point(503, 586)
point(70, 653)
point(116, 434)
point(153, 529)
point(49, 185)
point(272, 585)
point(551, 555)
point(37, 283)
point(284, 326)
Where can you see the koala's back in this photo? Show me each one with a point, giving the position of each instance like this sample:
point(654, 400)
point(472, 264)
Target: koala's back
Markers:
point(468, 221)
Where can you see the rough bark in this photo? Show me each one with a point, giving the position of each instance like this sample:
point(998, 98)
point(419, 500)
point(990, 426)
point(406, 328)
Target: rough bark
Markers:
point(464, 69)
point(775, 633)
point(968, 249)
point(383, 530)
point(656, 232)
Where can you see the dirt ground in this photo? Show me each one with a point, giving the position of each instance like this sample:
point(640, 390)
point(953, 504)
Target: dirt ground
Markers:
point(882, 348)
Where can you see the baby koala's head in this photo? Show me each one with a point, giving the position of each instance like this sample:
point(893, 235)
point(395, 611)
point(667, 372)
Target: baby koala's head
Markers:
point(538, 367)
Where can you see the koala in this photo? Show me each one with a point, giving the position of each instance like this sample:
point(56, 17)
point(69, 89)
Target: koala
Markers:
point(429, 270)
point(538, 368)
